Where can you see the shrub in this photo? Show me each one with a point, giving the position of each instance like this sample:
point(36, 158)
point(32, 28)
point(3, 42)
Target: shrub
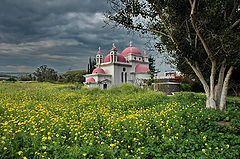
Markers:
point(185, 87)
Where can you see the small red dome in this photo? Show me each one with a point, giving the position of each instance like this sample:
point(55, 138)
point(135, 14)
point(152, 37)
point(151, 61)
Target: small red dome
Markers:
point(131, 50)
point(120, 58)
point(141, 68)
point(98, 70)
point(91, 80)
point(99, 51)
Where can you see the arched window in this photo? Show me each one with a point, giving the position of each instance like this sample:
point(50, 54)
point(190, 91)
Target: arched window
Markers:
point(112, 58)
point(125, 76)
point(105, 86)
point(122, 77)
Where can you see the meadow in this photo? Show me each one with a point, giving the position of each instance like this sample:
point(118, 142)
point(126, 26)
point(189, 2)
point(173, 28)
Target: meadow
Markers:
point(45, 120)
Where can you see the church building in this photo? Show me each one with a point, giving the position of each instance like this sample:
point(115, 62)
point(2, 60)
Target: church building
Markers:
point(130, 66)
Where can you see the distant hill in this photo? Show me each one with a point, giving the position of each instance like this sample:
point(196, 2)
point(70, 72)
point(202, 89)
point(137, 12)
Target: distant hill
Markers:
point(14, 74)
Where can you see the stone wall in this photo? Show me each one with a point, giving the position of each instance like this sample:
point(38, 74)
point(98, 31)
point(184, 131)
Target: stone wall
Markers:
point(166, 85)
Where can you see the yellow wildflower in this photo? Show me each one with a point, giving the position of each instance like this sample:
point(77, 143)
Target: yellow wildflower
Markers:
point(20, 152)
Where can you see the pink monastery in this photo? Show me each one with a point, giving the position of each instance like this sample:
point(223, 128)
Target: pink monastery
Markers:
point(130, 66)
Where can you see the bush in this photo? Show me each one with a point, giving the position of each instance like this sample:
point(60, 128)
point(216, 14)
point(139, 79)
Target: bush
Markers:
point(185, 87)
point(74, 76)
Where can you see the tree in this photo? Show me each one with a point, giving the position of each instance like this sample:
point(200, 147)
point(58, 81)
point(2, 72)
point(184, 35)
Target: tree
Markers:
point(74, 76)
point(203, 34)
point(44, 74)
point(91, 65)
point(151, 64)
point(26, 78)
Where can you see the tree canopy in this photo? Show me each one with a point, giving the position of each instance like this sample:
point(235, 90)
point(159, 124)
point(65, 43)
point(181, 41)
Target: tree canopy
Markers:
point(45, 74)
point(203, 34)
point(74, 76)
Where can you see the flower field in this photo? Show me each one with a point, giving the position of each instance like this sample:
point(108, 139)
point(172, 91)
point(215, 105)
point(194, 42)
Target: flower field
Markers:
point(44, 120)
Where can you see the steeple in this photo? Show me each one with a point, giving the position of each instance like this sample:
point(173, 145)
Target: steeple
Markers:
point(145, 57)
point(113, 46)
point(99, 56)
point(113, 53)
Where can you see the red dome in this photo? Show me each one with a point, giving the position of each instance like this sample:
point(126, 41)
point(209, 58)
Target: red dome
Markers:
point(98, 70)
point(120, 58)
point(91, 80)
point(131, 50)
point(100, 52)
point(141, 68)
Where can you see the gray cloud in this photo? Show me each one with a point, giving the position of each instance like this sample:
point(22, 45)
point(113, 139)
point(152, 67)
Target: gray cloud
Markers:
point(59, 33)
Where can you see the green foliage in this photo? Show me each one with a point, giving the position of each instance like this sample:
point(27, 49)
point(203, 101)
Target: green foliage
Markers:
point(27, 78)
point(152, 64)
point(58, 121)
point(74, 76)
point(45, 74)
point(11, 79)
point(125, 88)
point(171, 25)
point(202, 34)
point(185, 87)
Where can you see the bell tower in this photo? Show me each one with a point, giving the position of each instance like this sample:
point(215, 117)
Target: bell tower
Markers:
point(113, 54)
point(99, 57)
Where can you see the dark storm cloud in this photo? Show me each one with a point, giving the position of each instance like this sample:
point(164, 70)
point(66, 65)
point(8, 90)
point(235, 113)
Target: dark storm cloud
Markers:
point(59, 33)
point(28, 19)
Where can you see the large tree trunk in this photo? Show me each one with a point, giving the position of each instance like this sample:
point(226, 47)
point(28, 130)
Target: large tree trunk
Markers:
point(215, 96)
point(212, 102)
point(222, 105)
point(218, 87)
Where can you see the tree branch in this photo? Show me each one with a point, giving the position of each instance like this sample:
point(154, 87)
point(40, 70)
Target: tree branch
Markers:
point(165, 25)
point(189, 39)
point(235, 24)
point(193, 6)
point(196, 42)
point(198, 33)
point(200, 76)
point(234, 9)
point(151, 30)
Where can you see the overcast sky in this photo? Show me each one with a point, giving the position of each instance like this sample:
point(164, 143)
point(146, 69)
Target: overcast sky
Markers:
point(59, 33)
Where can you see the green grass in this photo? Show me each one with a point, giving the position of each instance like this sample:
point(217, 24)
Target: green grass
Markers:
point(44, 120)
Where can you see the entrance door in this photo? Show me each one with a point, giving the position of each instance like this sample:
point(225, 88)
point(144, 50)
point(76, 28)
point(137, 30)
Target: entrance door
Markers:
point(105, 86)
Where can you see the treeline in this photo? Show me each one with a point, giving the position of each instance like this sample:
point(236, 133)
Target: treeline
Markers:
point(47, 74)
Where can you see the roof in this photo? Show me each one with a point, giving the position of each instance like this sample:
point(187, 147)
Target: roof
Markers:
point(141, 68)
point(98, 71)
point(131, 50)
point(120, 58)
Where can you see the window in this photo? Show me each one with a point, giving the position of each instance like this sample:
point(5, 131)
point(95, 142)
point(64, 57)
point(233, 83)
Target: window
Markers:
point(125, 76)
point(105, 86)
point(122, 77)
point(112, 58)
